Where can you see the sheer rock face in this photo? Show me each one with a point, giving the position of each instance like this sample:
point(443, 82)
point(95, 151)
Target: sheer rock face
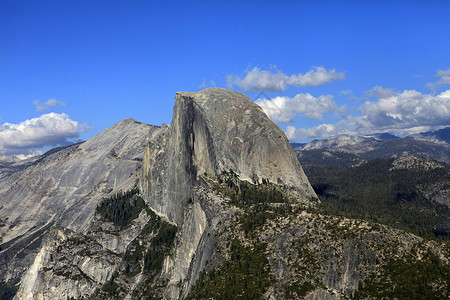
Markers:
point(235, 134)
point(213, 130)
point(216, 130)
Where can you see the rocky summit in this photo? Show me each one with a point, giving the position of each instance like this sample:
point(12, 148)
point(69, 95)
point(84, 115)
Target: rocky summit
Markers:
point(213, 131)
point(213, 206)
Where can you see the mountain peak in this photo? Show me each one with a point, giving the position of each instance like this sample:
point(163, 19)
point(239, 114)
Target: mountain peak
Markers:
point(243, 138)
point(213, 131)
point(441, 136)
point(127, 121)
point(219, 99)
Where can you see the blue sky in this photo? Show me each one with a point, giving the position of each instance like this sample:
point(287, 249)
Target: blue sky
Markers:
point(70, 69)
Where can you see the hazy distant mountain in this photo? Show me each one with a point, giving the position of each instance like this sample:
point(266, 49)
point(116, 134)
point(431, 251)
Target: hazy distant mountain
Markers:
point(382, 136)
point(439, 136)
point(382, 173)
point(297, 146)
point(344, 140)
point(345, 149)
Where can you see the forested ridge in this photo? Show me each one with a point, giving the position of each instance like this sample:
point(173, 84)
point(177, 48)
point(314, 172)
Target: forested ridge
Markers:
point(378, 192)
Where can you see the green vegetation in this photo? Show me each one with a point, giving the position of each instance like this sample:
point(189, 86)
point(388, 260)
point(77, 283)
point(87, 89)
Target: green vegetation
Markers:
point(8, 289)
point(122, 208)
point(145, 255)
point(260, 202)
point(368, 192)
point(246, 275)
point(242, 193)
point(110, 287)
point(371, 192)
point(153, 254)
point(374, 192)
point(133, 257)
point(296, 290)
point(427, 278)
point(160, 246)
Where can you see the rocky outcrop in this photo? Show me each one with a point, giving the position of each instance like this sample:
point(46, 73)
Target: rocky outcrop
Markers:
point(64, 187)
point(64, 184)
point(60, 247)
point(68, 265)
point(212, 131)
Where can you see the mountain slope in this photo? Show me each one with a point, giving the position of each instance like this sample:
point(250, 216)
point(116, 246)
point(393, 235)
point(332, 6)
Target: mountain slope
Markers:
point(214, 205)
point(338, 150)
point(439, 136)
point(63, 187)
point(212, 131)
point(408, 193)
point(53, 203)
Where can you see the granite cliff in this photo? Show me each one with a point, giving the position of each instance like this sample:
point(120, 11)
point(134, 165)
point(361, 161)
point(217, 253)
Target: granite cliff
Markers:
point(212, 131)
point(49, 201)
point(215, 205)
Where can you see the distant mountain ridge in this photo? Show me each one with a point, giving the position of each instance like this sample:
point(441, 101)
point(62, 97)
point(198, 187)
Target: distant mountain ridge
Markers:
point(344, 149)
point(441, 136)
point(343, 140)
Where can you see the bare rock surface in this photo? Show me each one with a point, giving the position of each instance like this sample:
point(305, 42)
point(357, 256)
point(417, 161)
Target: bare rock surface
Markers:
point(216, 130)
point(64, 187)
point(50, 235)
point(194, 177)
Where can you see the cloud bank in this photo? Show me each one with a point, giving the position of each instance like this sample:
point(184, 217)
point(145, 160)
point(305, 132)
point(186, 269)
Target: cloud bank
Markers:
point(283, 109)
point(262, 80)
point(402, 113)
point(50, 129)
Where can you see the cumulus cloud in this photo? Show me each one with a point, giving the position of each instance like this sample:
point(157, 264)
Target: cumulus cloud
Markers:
point(323, 130)
point(50, 129)
point(444, 79)
point(403, 113)
point(48, 104)
point(263, 80)
point(283, 109)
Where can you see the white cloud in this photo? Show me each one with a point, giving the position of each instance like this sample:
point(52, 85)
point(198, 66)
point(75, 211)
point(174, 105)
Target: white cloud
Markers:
point(445, 79)
point(380, 92)
point(47, 130)
point(283, 109)
point(323, 130)
point(402, 113)
point(316, 76)
point(48, 104)
point(408, 109)
point(262, 80)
